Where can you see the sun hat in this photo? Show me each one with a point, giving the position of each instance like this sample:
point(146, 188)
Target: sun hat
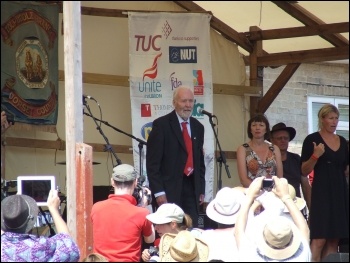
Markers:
point(182, 247)
point(124, 173)
point(278, 239)
point(300, 202)
point(167, 213)
point(18, 213)
point(225, 206)
point(282, 127)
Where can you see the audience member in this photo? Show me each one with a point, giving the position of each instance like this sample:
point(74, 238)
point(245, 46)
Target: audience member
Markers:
point(223, 210)
point(258, 157)
point(182, 247)
point(276, 237)
point(18, 215)
point(94, 257)
point(169, 218)
point(175, 158)
point(118, 224)
point(326, 153)
point(281, 135)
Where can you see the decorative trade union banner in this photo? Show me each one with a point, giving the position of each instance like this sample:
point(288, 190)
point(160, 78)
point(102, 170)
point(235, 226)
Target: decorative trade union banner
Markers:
point(168, 50)
point(29, 61)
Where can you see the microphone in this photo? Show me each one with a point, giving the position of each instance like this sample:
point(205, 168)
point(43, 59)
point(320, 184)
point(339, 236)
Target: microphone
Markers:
point(210, 115)
point(88, 97)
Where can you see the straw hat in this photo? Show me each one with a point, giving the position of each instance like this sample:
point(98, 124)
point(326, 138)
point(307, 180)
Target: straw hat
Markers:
point(183, 247)
point(225, 207)
point(18, 213)
point(279, 239)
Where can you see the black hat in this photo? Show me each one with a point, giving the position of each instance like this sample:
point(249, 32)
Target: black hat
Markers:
point(282, 127)
point(18, 213)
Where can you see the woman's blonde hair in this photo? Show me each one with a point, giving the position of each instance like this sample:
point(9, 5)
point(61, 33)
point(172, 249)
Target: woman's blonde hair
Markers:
point(324, 111)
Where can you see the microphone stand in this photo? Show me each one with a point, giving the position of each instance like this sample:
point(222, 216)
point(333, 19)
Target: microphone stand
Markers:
point(108, 147)
point(140, 145)
point(221, 159)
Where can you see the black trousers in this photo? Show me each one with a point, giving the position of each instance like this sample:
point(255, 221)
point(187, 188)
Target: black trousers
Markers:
point(188, 199)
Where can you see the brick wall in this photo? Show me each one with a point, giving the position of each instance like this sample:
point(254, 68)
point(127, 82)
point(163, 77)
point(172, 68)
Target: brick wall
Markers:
point(290, 106)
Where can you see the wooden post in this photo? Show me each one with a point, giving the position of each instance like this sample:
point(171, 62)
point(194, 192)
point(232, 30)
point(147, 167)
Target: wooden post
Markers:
point(78, 154)
point(256, 73)
point(84, 198)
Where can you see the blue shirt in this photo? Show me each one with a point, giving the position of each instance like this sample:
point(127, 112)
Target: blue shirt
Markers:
point(30, 248)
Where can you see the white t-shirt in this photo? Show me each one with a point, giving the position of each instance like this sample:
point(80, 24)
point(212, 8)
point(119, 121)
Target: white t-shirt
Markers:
point(222, 244)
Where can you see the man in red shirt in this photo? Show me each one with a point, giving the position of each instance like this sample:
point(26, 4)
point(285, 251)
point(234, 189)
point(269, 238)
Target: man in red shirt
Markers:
point(118, 223)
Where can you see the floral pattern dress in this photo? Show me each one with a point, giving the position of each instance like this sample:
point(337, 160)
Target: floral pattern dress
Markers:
point(257, 167)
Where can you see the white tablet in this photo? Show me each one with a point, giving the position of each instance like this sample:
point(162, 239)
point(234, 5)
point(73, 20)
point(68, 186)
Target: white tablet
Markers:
point(36, 186)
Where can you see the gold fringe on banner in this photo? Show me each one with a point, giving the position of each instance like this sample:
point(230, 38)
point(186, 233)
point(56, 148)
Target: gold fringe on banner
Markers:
point(30, 127)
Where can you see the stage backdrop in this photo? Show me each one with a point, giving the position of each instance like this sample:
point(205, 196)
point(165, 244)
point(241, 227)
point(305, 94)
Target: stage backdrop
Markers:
point(29, 63)
point(167, 50)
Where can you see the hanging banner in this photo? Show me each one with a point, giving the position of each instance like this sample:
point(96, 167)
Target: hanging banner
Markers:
point(29, 61)
point(168, 50)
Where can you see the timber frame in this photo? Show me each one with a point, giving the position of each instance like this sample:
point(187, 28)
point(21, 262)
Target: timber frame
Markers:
point(251, 41)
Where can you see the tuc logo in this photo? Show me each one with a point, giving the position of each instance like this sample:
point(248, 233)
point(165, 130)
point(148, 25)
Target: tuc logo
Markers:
point(146, 129)
point(147, 44)
point(183, 54)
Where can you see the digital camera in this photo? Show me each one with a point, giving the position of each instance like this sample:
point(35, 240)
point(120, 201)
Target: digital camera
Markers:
point(268, 184)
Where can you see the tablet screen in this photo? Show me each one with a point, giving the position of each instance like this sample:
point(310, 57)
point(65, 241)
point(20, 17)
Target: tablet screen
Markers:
point(37, 187)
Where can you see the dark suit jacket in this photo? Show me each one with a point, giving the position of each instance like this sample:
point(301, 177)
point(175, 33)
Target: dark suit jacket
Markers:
point(166, 157)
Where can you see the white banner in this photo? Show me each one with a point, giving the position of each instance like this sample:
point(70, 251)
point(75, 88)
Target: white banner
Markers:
point(168, 50)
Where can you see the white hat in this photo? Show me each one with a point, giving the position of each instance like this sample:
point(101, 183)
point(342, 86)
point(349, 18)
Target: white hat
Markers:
point(167, 213)
point(224, 208)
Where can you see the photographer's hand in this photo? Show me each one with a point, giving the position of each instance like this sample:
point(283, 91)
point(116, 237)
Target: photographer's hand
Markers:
point(53, 203)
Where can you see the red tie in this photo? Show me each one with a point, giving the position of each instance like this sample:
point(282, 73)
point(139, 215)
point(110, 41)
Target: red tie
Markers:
point(189, 164)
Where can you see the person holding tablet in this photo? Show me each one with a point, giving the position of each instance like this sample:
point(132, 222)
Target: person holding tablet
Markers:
point(18, 216)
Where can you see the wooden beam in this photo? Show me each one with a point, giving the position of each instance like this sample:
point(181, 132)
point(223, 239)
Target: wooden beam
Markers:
point(236, 90)
point(96, 147)
point(220, 26)
point(298, 31)
point(123, 81)
point(304, 56)
point(309, 19)
point(61, 145)
point(277, 86)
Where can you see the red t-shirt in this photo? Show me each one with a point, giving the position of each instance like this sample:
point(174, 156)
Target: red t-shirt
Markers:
point(118, 226)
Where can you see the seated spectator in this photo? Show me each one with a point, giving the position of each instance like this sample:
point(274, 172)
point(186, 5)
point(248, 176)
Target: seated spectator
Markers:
point(182, 247)
point(94, 257)
point(169, 218)
point(276, 237)
point(18, 216)
point(223, 210)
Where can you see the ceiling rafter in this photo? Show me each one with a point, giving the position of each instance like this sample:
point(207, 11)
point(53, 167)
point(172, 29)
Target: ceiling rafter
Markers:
point(309, 19)
point(298, 31)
